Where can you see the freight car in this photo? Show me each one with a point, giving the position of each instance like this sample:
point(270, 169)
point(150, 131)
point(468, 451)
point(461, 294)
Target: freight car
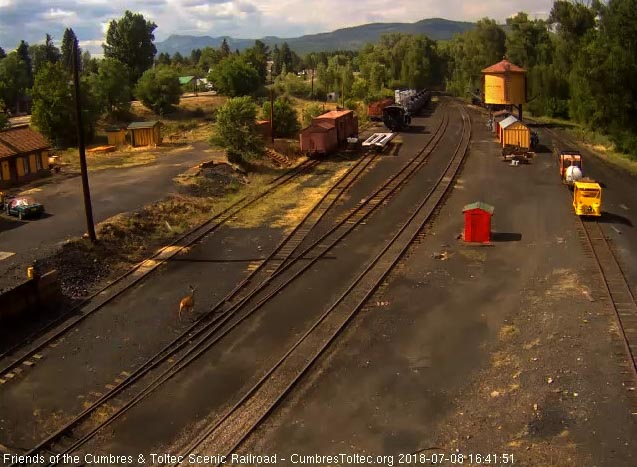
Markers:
point(375, 109)
point(408, 103)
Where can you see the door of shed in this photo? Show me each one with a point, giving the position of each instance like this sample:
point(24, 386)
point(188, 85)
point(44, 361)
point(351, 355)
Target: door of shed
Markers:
point(477, 222)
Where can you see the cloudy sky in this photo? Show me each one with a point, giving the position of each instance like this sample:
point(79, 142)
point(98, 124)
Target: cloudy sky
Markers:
point(32, 19)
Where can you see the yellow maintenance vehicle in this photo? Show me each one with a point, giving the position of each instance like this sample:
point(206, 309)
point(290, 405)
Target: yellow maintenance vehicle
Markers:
point(587, 198)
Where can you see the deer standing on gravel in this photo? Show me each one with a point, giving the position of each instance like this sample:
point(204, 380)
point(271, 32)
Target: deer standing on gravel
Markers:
point(188, 302)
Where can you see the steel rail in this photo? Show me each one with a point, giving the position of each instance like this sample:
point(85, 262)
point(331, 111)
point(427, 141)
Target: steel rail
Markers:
point(178, 365)
point(616, 286)
point(188, 358)
point(156, 260)
point(249, 410)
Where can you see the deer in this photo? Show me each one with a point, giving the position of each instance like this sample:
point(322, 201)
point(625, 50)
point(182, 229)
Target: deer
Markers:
point(188, 302)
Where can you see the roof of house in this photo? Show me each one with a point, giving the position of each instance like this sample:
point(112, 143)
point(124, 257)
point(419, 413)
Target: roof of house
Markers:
point(334, 114)
point(504, 66)
point(139, 125)
point(21, 140)
point(479, 205)
point(185, 79)
point(508, 121)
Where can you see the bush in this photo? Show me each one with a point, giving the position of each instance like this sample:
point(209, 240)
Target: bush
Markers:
point(286, 120)
point(310, 112)
point(237, 132)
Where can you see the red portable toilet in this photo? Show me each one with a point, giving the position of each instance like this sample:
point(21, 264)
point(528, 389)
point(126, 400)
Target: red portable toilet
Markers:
point(477, 222)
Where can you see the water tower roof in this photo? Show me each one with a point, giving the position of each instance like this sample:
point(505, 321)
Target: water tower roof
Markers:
point(504, 66)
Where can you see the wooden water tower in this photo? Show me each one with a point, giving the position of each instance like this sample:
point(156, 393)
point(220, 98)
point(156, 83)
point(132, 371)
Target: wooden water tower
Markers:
point(504, 84)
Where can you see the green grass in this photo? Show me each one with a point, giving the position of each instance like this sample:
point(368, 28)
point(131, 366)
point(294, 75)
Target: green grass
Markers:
point(598, 143)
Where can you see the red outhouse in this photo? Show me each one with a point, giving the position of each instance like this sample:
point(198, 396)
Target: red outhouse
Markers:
point(477, 222)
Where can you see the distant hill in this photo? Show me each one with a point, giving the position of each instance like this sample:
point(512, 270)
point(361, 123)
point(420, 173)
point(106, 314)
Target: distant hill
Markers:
point(342, 39)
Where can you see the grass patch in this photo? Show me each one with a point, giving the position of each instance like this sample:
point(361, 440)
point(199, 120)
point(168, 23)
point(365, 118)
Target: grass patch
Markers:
point(70, 158)
point(601, 145)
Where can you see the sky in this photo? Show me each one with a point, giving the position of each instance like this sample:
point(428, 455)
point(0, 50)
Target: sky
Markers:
point(32, 19)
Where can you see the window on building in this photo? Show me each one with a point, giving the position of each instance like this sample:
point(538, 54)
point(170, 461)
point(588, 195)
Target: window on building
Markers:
point(25, 165)
point(38, 161)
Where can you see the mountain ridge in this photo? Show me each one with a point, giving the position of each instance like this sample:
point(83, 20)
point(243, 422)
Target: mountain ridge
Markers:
point(349, 38)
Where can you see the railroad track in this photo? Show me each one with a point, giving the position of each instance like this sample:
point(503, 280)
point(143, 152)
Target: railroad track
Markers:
point(615, 284)
point(24, 358)
point(617, 288)
point(81, 429)
point(233, 427)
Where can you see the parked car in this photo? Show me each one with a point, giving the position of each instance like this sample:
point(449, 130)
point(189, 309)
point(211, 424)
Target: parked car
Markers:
point(23, 207)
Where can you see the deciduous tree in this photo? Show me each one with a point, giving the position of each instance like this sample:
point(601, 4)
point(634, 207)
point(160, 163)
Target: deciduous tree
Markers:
point(234, 77)
point(286, 120)
point(236, 130)
point(111, 86)
point(158, 89)
point(130, 40)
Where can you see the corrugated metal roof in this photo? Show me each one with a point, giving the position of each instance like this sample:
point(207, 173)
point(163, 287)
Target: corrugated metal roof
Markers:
point(508, 121)
point(21, 140)
point(479, 205)
point(138, 125)
point(504, 66)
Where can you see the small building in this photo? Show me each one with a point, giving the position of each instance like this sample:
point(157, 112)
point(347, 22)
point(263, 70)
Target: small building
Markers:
point(116, 135)
point(145, 133)
point(24, 155)
point(504, 123)
point(345, 121)
point(319, 138)
point(515, 133)
point(477, 222)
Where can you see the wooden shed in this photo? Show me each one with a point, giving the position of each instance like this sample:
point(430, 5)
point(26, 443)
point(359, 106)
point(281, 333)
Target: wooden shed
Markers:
point(515, 133)
point(319, 138)
point(503, 123)
point(116, 136)
point(145, 133)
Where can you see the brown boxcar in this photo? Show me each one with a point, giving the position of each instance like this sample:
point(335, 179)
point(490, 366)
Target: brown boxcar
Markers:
point(345, 122)
point(375, 109)
point(319, 138)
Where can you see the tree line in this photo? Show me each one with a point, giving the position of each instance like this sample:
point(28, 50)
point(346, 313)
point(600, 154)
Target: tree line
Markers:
point(580, 62)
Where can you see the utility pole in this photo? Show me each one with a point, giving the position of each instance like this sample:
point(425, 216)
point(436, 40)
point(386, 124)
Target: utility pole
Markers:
point(90, 227)
point(312, 89)
point(272, 107)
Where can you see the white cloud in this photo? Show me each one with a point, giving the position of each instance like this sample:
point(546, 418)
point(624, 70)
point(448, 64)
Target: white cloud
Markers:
point(32, 19)
point(59, 14)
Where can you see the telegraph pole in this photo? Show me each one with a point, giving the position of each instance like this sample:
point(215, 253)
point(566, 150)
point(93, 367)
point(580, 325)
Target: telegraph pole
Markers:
point(90, 227)
point(272, 107)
